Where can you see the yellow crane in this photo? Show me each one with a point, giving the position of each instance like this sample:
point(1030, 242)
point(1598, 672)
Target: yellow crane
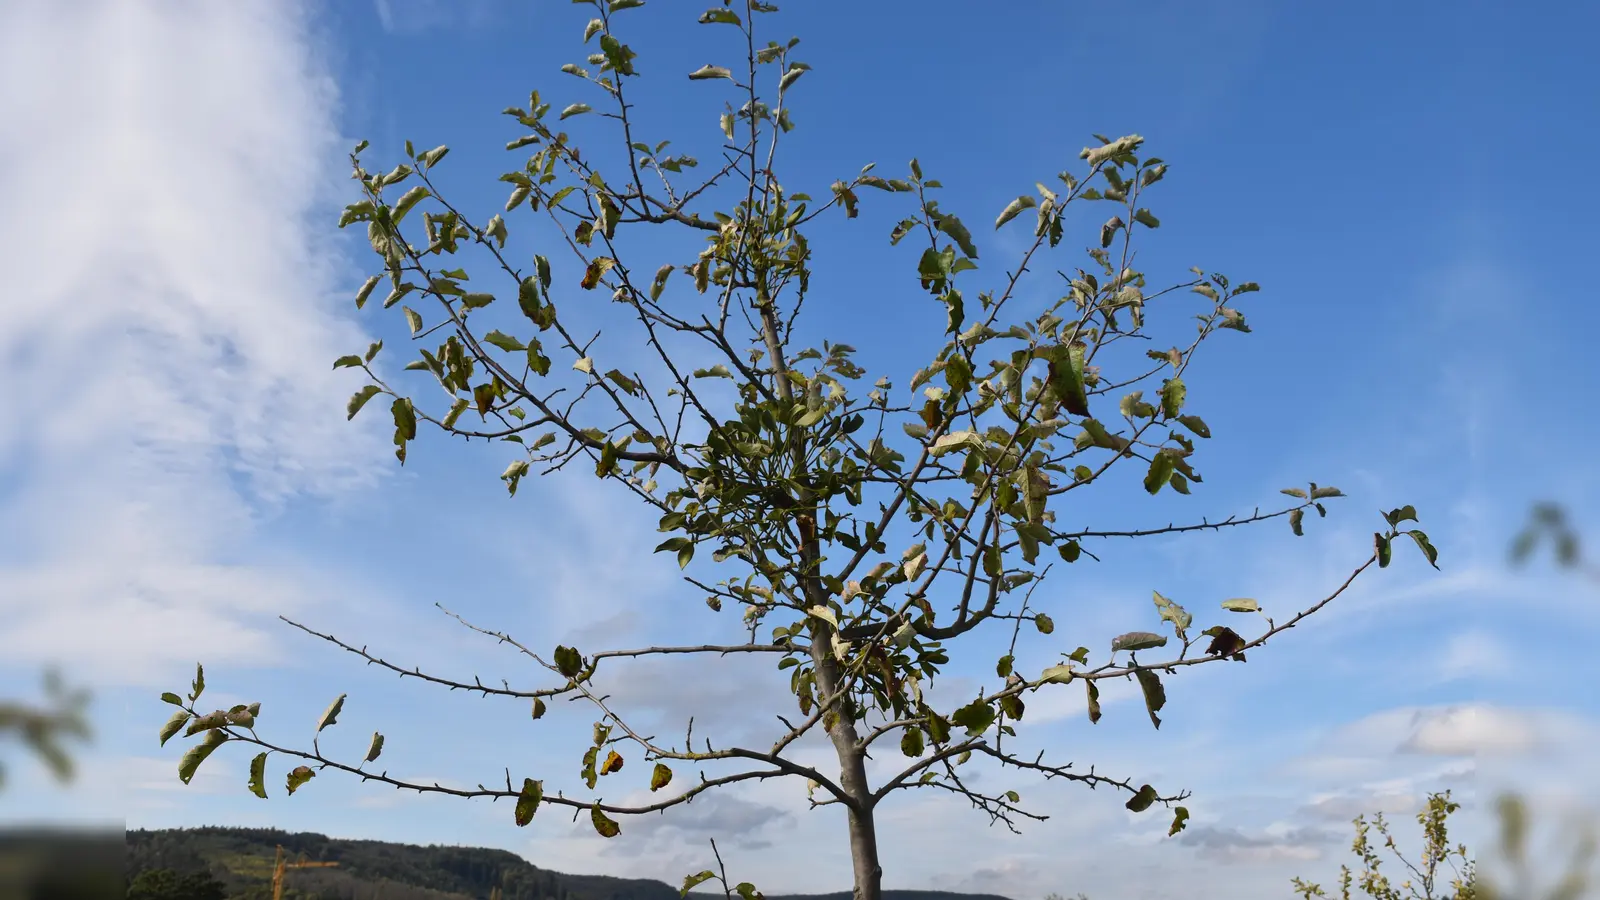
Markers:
point(279, 867)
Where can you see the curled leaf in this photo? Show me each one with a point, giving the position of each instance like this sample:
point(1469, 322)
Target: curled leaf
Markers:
point(300, 776)
point(1141, 801)
point(1015, 208)
point(1155, 696)
point(1224, 642)
point(528, 801)
point(258, 775)
point(331, 714)
point(1138, 640)
point(174, 724)
point(603, 825)
point(690, 881)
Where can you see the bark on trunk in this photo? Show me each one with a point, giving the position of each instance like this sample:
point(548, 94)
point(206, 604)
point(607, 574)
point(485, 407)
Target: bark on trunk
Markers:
point(864, 853)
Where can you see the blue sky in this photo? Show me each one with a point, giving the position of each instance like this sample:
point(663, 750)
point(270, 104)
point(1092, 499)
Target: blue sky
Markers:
point(1406, 183)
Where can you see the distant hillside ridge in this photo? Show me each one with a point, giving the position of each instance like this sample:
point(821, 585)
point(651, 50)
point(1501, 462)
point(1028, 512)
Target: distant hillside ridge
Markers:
point(241, 858)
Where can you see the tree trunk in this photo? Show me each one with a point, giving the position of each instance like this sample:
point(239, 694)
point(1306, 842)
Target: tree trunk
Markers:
point(852, 777)
point(864, 845)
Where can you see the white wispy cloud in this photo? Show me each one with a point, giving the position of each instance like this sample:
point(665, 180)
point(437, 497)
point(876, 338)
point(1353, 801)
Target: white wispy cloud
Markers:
point(174, 321)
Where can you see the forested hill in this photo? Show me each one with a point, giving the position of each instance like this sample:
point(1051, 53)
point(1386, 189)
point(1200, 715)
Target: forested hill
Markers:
point(241, 858)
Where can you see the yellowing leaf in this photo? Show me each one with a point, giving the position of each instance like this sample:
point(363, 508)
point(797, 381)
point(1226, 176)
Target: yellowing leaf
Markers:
point(603, 826)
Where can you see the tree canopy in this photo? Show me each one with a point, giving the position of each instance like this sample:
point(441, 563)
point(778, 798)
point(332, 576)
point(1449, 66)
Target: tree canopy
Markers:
point(863, 524)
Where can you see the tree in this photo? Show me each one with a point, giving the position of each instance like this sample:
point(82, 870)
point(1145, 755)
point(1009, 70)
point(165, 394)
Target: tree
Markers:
point(1548, 522)
point(43, 728)
point(1424, 882)
point(167, 884)
point(865, 530)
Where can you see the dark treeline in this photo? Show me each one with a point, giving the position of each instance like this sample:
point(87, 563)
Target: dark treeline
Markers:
point(241, 858)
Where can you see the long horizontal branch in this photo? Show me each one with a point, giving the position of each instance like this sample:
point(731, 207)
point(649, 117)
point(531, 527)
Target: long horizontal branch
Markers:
point(1256, 516)
point(481, 791)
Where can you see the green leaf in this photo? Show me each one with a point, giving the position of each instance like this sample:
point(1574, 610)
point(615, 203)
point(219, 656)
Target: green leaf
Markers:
point(1241, 604)
point(476, 301)
point(1426, 547)
point(504, 341)
point(709, 71)
point(1172, 612)
point(1143, 217)
point(411, 198)
point(432, 157)
point(174, 724)
point(952, 226)
point(911, 742)
point(375, 748)
point(576, 109)
point(1180, 818)
point(528, 800)
point(199, 685)
point(1015, 208)
point(1161, 466)
point(1043, 623)
point(197, 754)
point(1155, 696)
point(1062, 674)
point(1142, 800)
point(568, 662)
point(1172, 396)
point(1405, 513)
point(170, 697)
point(1296, 517)
point(359, 400)
point(722, 16)
point(690, 881)
point(331, 713)
point(366, 290)
point(1196, 425)
point(413, 319)
point(617, 54)
point(789, 77)
point(1066, 376)
point(717, 371)
point(975, 717)
point(1094, 701)
point(1138, 640)
point(538, 708)
point(1325, 492)
point(1109, 230)
point(1383, 549)
point(660, 777)
point(258, 776)
point(603, 826)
